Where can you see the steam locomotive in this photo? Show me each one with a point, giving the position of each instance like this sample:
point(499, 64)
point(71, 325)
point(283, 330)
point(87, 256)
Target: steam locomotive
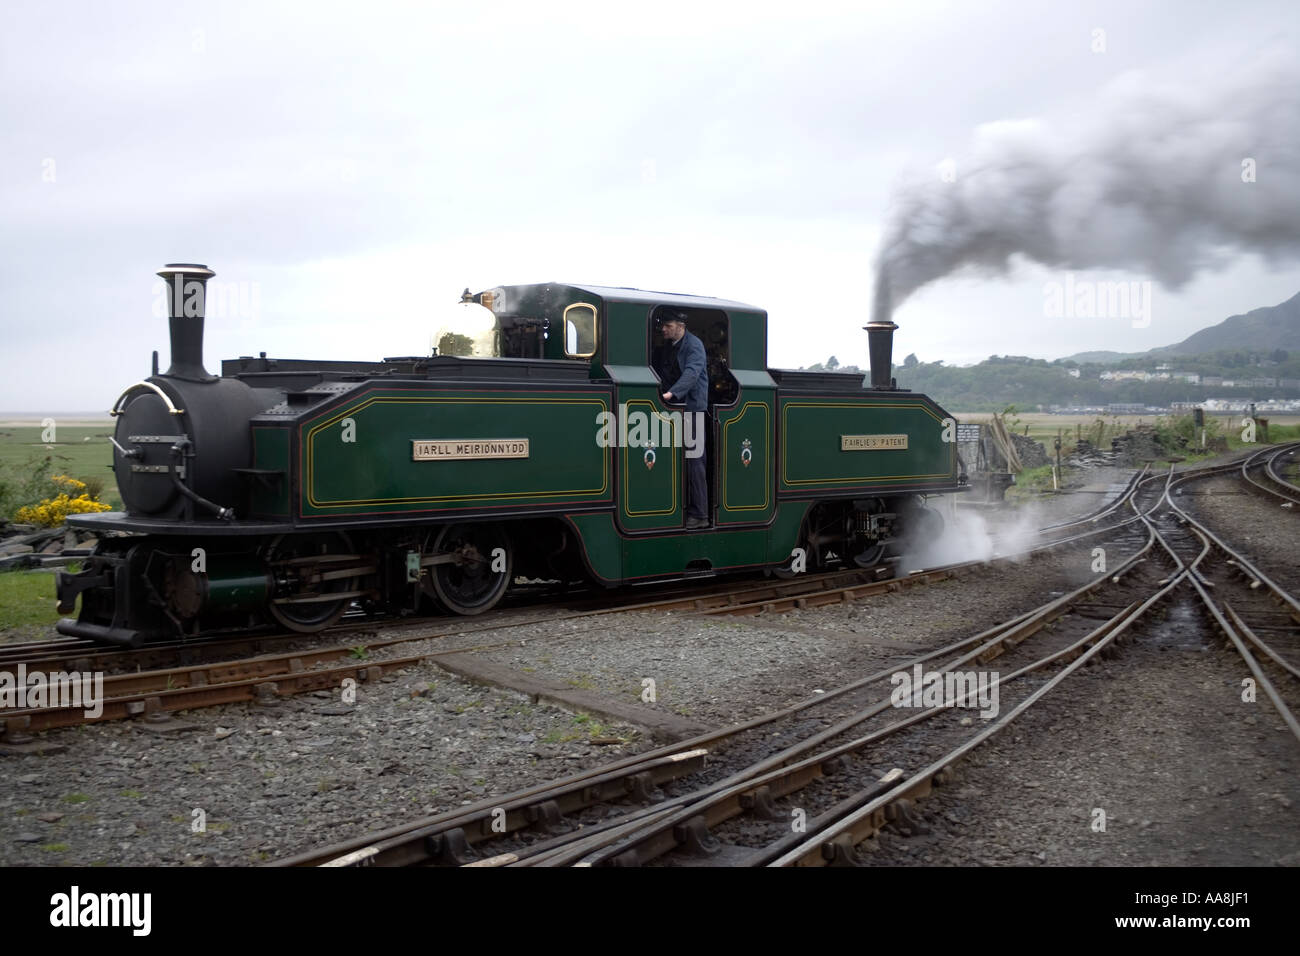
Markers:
point(286, 491)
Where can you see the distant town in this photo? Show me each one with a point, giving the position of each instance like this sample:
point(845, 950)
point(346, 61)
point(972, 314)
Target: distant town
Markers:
point(1290, 406)
point(1168, 373)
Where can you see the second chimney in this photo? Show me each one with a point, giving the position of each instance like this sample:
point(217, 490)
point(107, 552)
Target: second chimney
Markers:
point(880, 345)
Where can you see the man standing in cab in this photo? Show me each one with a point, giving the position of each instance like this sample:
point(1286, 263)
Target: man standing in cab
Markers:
point(686, 368)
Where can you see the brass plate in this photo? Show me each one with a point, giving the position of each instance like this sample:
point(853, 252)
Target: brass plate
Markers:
point(460, 449)
point(873, 443)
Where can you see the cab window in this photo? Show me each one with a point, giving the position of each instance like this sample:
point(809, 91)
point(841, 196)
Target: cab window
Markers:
point(580, 331)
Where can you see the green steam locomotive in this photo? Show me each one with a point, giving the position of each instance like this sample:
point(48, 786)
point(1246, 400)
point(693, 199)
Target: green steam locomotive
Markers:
point(286, 491)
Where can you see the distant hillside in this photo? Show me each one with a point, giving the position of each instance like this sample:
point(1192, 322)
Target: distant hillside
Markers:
point(1272, 327)
point(1030, 383)
point(1101, 358)
point(1264, 329)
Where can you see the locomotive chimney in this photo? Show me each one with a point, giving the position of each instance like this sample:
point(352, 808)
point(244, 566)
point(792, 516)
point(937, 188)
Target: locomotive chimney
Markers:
point(880, 344)
point(187, 290)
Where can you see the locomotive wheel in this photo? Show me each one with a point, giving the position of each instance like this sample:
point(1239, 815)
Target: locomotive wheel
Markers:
point(467, 584)
point(786, 571)
point(870, 557)
point(308, 617)
point(785, 574)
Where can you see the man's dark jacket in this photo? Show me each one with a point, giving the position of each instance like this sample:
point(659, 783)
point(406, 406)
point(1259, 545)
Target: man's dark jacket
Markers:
point(688, 372)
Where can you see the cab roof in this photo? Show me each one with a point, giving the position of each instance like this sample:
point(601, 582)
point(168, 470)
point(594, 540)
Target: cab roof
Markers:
point(551, 292)
point(626, 294)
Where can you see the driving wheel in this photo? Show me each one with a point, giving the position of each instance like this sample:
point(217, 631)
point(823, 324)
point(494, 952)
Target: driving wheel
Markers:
point(473, 567)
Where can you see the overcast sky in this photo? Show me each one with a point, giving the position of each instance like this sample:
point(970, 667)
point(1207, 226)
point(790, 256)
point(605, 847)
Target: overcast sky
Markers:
point(348, 169)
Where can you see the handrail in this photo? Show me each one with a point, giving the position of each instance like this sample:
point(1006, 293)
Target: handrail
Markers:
point(149, 385)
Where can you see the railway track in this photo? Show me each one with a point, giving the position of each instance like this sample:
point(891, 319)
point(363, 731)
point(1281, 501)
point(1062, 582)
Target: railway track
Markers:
point(660, 824)
point(84, 654)
point(364, 655)
point(1268, 480)
point(694, 822)
point(140, 688)
point(1262, 606)
point(87, 655)
point(1188, 545)
point(684, 822)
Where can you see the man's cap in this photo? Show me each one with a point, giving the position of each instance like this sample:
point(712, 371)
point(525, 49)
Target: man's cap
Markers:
point(671, 315)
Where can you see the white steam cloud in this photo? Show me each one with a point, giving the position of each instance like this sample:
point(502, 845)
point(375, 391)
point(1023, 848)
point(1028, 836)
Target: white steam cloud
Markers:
point(1169, 178)
point(970, 536)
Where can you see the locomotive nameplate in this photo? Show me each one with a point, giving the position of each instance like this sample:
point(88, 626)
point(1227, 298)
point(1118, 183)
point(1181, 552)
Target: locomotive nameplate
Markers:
point(873, 443)
point(459, 450)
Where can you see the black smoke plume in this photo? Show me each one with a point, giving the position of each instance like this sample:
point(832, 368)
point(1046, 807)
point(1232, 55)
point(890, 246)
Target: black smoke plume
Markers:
point(1156, 178)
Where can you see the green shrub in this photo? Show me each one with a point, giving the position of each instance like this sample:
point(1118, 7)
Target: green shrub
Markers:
point(34, 484)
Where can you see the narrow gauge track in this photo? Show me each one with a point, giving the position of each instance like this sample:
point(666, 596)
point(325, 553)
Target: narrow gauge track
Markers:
point(689, 820)
point(156, 692)
point(87, 655)
point(737, 785)
point(1184, 541)
point(1262, 605)
point(1105, 508)
point(59, 649)
point(184, 687)
point(91, 655)
point(1270, 481)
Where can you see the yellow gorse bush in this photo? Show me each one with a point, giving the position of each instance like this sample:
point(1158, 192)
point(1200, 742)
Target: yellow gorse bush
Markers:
point(51, 511)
